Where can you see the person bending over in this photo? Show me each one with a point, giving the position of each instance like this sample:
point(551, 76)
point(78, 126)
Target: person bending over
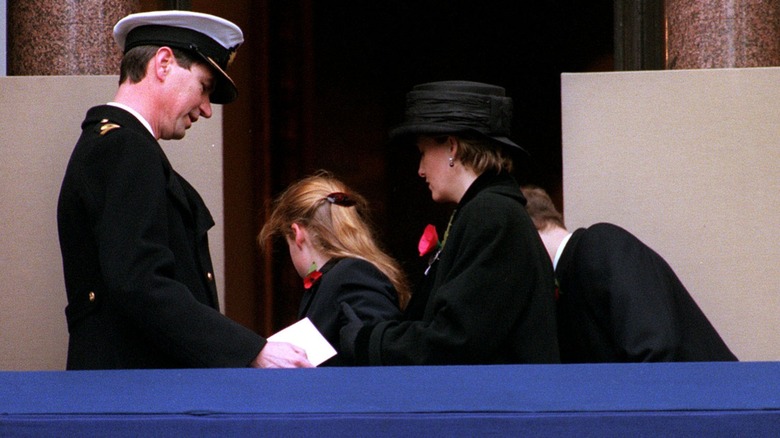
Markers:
point(618, 300)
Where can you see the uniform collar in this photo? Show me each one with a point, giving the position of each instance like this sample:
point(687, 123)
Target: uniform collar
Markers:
point(134, 113)
point(560, 250)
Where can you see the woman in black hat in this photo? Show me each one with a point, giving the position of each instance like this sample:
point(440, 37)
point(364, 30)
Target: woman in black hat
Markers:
point(488, 293)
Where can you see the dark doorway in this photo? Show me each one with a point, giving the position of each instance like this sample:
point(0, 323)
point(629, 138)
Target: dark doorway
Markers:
point(367, 55)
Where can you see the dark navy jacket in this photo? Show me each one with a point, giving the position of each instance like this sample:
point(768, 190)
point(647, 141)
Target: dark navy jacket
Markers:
point(621, 302)
point(138, 274)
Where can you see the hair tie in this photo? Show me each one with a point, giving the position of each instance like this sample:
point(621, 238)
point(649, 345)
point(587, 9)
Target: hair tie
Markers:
point(340, 198)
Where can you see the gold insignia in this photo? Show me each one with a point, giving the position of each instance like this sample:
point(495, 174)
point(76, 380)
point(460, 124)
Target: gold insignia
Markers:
point(231, 58)
point(106, 126)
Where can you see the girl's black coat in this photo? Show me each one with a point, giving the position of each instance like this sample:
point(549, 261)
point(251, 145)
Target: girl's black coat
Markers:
point(357, 283)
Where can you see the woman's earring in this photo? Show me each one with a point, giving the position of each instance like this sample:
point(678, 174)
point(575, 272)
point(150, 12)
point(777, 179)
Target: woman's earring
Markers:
point(452, 163)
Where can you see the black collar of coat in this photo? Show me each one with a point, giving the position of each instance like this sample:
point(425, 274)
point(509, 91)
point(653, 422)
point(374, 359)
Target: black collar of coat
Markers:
point(505, 183)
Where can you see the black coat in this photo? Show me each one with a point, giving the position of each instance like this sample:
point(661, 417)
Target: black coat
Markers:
point(491, 294)
point(359, 284)
point(621, 302)
point(138, 274)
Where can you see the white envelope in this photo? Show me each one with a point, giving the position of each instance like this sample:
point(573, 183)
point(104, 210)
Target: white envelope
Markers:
point(303, 334)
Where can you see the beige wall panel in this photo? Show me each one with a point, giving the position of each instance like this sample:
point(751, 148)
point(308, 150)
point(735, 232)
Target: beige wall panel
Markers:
point(40, 120)
point(689, 161)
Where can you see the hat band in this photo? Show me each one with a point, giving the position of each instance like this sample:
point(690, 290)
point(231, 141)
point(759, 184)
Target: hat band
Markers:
point(491, 115)
point(180, 38)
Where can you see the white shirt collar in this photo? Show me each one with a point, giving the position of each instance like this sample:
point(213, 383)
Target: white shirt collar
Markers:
point(560, 251)
point(135, 113)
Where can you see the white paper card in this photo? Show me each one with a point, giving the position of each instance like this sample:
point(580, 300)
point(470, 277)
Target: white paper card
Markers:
point(303, 334)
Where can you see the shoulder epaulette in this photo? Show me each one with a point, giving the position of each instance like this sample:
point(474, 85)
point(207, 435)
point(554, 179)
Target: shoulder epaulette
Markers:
point(106, 126)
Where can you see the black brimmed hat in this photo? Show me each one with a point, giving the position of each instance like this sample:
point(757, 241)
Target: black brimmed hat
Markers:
point(208, 37)
point(457, 107)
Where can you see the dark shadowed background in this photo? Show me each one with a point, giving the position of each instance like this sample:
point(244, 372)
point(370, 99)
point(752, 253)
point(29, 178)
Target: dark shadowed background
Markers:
point(322, 82)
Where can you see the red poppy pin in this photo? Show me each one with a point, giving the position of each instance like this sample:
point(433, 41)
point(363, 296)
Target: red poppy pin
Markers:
point(429, 240)
point(312, 276)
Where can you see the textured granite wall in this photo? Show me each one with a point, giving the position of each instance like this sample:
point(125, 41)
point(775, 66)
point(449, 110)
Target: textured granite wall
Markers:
point(722, 33)
point(64, 37)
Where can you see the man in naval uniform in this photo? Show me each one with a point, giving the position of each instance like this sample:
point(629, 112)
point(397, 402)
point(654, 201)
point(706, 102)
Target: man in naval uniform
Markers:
point(133, 233)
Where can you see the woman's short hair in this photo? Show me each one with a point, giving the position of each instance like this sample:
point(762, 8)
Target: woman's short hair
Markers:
point(481, 154)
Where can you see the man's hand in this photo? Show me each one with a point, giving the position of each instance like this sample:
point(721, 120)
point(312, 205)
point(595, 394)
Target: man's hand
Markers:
point(281, 355)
